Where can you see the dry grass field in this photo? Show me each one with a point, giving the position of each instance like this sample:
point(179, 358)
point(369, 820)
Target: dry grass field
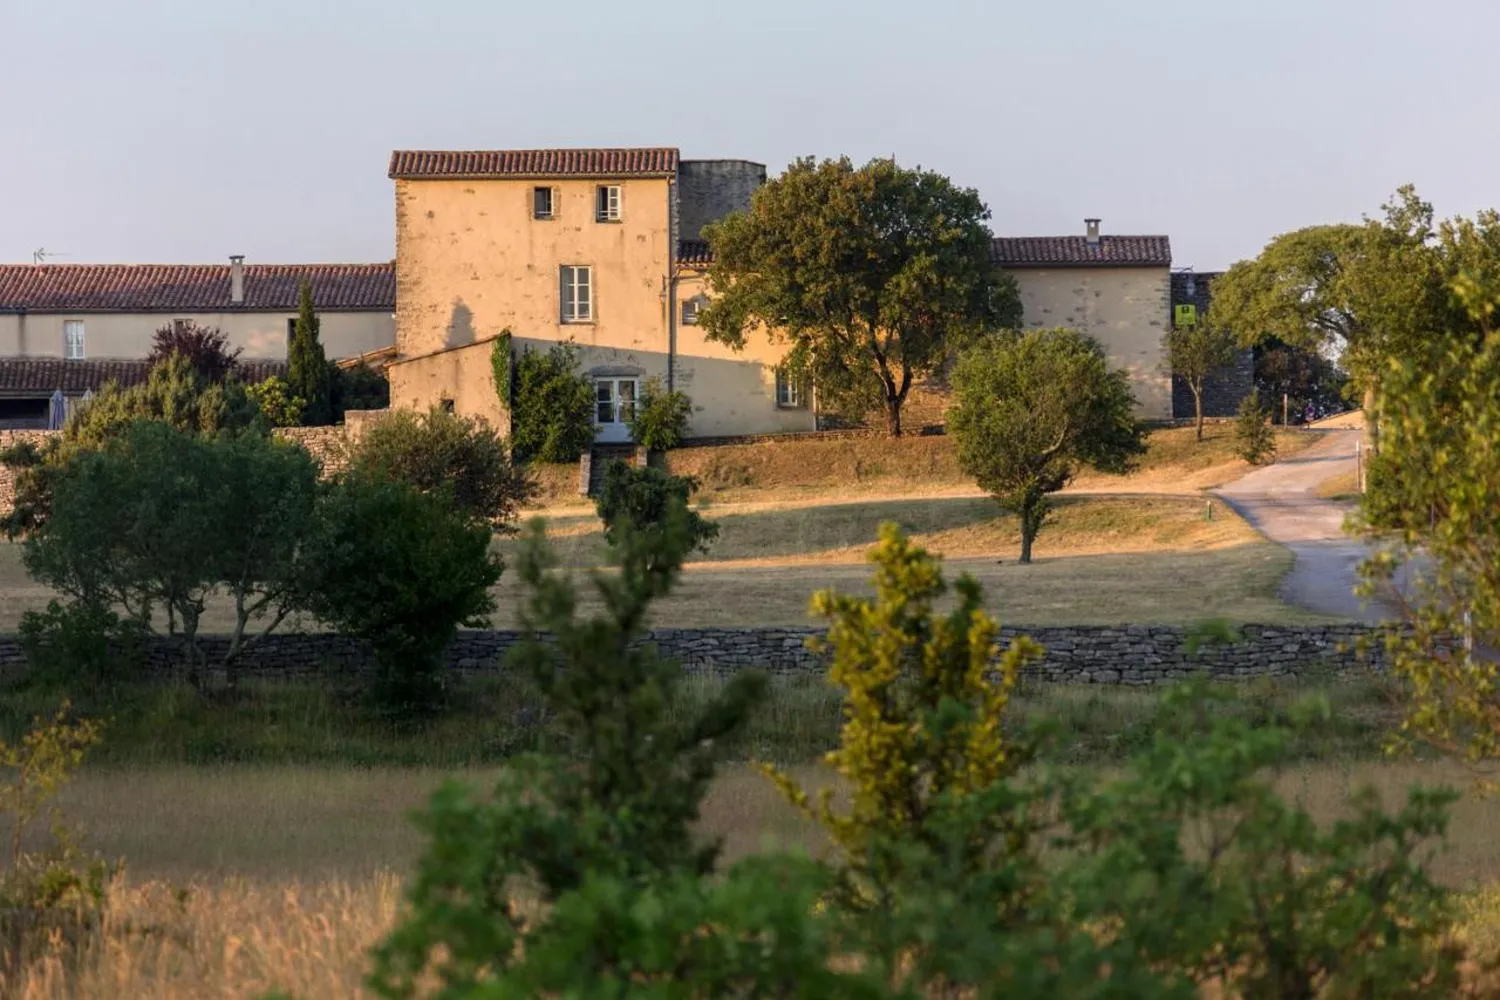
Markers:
point(1099, 560)
point(289, 873)
point(855, 467)
point(1342, 488)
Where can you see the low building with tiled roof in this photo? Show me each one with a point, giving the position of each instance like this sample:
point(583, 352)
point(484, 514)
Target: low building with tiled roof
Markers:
point(111, 311)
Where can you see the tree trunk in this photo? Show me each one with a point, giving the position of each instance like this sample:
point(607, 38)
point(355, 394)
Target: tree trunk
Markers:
point(892, 414)
point(1198, 408)
point(1372, 428)
point(1032, 510)
point(1027, 537)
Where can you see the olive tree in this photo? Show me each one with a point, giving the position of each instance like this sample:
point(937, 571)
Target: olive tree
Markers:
point(1031, 409)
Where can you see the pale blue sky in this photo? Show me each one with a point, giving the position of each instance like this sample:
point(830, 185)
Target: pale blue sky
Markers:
point(184, 130)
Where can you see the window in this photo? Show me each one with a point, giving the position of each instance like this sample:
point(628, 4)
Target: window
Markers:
point(788, 391)
point(291, 328)
point(73, 339)
point(541, 203)
point(577, 293)
point(690, 308)
point(180, 326)
point(446, 404)
point(607, 203)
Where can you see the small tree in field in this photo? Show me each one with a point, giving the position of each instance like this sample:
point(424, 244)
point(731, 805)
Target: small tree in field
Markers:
point(309, 376)
point(874, 276)
point(205, 347)
point(644, 499)
point(1195, 353)
point(1254, 437)
point(1031, 409)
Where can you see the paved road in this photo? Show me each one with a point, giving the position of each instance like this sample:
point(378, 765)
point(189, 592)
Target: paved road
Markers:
point(1279, 500)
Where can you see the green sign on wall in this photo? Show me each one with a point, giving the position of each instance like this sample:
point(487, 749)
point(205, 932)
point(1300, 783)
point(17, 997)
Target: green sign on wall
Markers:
point(1186, 315)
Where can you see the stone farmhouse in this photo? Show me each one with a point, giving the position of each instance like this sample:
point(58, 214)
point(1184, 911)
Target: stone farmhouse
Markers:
point(72, 327)
point(604, 248)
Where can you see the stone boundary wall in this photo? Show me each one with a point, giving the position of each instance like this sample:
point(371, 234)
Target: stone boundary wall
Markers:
point(1123, 654)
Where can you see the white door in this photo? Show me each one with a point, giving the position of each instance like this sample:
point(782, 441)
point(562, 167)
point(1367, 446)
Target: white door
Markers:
point(614, 409)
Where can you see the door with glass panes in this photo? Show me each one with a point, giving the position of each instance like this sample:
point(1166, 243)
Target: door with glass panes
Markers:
point(614, 409)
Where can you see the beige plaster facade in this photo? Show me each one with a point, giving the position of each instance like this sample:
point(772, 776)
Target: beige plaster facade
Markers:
point(128, 334)
point(473, 261)
point(1125, 308)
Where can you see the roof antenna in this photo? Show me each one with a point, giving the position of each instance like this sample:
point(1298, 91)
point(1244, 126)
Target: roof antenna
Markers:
point(40, 254)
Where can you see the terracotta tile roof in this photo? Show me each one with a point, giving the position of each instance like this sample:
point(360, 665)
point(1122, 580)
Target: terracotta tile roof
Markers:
point(1077, 251)
point(694, 253)
point(478, 164)
point(41, 376)
point(192, 287)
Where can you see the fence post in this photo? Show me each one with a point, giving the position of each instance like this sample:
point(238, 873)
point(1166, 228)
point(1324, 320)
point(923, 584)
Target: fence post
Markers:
point(1286, 420)
point(1359, 465)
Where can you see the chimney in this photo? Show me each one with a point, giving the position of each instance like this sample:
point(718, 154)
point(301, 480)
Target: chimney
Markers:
point(236, 279)
point(1093, 231)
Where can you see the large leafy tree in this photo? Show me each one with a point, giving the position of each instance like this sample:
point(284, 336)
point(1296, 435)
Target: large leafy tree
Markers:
point(872, 275)
point(1375, 289)
point(1030, 409)
point(205, 347)
point(160, 519)
point(308, 374)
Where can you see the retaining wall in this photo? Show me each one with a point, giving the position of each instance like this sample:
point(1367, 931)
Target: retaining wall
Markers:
point(1125, 654)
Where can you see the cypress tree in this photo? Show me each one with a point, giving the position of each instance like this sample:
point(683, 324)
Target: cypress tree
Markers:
point(309, 375)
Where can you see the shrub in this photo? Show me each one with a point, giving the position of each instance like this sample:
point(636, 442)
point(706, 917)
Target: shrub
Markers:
point(661, 417)
point(160, 519)
point(79, 641)
point(205, 347)
point(402, 570)
point(358, 388)
point(276, 402)
point(646, 497)
point(604, 835)
point(552, 417)
point(462, 457)
point(308, 372)
point(55, 895)
point(174, 394)
point(1254, 437)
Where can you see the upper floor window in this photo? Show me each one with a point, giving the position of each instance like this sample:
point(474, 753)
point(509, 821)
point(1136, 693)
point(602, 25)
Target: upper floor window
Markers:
point(789, 393)
point(543, 203)
point(73, 339)
point(607, 203)
point(577, 293)
point(181, 325)
point(691, 308)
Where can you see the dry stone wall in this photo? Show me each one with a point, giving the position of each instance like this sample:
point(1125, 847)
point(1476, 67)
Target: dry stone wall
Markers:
point(1124, 654)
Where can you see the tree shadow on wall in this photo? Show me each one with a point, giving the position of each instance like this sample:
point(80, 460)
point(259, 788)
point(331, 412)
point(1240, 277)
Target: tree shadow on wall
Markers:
point(460, 325)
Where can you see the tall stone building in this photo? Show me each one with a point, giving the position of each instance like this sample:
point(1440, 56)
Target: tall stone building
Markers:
point(1223, 392)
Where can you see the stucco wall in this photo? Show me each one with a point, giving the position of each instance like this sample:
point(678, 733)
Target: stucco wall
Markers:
point(128, 335)
point(733, 392)
point(1126, 309)
point(463, 375)
point(471, 261)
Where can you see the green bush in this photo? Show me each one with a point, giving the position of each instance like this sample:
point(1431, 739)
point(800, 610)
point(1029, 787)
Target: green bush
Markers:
point(646, 497)
point(552, 417)
point(461, 457)
point(661, 417)
point(276, 402)
point(402, 570)
point(1254, 437)
point(358, 388)
point(80, 641)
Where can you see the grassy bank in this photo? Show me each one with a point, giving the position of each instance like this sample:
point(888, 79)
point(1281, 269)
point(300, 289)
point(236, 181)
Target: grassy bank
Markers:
point(493, 718)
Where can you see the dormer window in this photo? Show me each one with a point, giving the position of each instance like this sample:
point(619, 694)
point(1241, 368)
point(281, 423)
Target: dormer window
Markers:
point(607, 203)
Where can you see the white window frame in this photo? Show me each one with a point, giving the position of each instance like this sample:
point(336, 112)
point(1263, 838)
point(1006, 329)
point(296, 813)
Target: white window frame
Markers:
point(551, 213)
point(574, 307)
point(609, 202)
point(690, 309)
point(73, 351)
point(789, 394)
